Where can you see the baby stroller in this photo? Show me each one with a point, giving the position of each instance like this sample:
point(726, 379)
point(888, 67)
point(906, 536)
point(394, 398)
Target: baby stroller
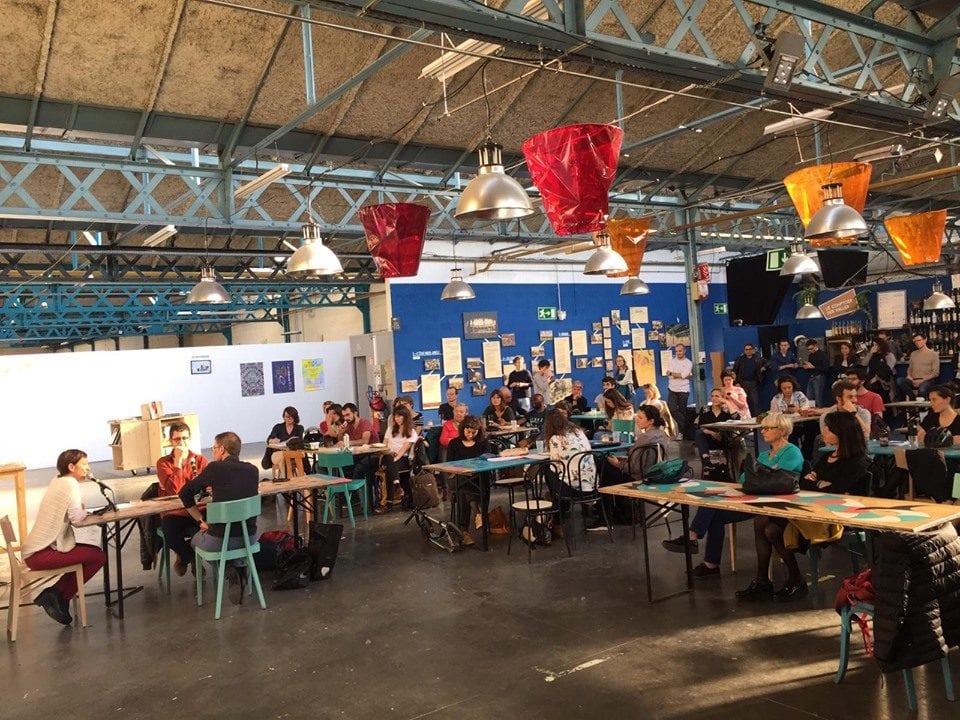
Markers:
point(444, 535)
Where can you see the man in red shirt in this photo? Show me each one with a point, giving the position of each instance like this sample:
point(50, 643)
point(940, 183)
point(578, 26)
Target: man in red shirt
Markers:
point(361, 432)
point(867, 399)
point(173, 472)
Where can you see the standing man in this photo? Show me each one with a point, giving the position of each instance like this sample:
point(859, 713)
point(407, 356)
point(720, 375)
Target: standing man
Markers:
point(783, 359)
point(923, 370)
point(542, 379)
point(749, 369)
point(519, 382)
point(446, 410)
point(816, 366)
point(228, 479)
point(173, 472)
point(679, 370)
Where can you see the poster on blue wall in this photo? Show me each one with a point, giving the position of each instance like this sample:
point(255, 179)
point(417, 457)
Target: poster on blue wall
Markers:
point(479, 325)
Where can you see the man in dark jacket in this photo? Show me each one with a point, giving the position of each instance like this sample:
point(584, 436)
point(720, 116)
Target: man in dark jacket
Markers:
point(816, 366)
point(749, 368)
point(228, 479)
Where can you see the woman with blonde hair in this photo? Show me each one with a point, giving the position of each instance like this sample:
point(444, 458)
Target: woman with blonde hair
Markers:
point(652, 397)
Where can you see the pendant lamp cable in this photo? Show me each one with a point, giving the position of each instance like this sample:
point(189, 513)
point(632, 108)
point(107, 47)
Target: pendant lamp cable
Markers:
point(486, 98)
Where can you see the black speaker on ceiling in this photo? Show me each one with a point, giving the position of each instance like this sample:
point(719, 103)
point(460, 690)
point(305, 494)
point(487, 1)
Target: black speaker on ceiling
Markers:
point(843, 267)
point(754, 294)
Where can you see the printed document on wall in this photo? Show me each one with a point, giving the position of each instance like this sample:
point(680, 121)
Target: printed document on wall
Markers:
point(578, 339)
point(430, 391)
point(452, 358)
point(491, 359)
point(561, 355)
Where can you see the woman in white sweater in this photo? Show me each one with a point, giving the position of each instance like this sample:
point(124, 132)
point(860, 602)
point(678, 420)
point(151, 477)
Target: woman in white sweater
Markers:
point(51, 543)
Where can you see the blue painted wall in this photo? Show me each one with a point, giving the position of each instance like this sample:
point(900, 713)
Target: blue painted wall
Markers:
point(424, 320)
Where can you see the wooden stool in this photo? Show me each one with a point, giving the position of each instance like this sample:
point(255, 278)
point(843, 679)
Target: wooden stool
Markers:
point(15, 472)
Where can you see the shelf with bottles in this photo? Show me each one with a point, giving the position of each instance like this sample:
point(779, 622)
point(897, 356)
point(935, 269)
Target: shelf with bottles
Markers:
point(941, 327)
point(846, 330)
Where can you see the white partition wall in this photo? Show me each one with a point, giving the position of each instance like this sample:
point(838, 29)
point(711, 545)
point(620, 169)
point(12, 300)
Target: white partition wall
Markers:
point(56, 401)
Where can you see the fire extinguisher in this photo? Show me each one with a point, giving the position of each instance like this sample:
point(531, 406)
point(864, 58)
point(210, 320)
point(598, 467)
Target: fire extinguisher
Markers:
point(702, 280)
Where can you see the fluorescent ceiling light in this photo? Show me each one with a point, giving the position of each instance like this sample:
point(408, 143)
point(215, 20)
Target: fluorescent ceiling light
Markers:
point(270, 176)
point(796, 122)
point(453, 61)
point(91, 238)
point(160, 235)
point(888, 152)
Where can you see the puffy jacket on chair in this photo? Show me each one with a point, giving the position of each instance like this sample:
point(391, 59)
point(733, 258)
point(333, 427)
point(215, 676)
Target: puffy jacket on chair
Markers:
point(916, 583)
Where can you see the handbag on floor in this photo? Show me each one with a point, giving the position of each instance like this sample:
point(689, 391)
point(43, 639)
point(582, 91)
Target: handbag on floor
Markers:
point(293, 570)
point(322, 547)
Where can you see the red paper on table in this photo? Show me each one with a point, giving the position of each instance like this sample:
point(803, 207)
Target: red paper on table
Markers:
point(573, 168)
point(395, 233)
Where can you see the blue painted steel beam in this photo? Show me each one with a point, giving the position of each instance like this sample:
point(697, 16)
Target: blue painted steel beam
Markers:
point(306, 35)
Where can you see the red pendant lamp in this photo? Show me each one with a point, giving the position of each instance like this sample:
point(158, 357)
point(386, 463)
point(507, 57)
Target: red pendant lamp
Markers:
point(395, 233)
point(573, 168)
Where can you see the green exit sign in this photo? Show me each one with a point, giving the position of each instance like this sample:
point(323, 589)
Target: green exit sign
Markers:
point(719, 308)
point(546, 313)
point(776, 259)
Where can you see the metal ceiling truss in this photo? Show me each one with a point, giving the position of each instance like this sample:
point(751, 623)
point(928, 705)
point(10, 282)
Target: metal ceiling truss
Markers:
point(905, 55)
point(38, 313)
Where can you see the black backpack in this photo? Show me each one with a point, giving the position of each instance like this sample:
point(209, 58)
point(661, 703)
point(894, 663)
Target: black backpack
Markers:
point(293, 570)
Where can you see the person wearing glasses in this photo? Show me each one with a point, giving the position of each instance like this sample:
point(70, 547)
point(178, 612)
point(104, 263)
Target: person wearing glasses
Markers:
point(228, 479)
point(709, 523)
point(173, 472)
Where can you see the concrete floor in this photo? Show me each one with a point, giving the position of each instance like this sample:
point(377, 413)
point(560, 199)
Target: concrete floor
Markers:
point(405, 630)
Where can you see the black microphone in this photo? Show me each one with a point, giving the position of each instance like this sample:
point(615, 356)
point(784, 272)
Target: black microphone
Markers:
point(104, 488)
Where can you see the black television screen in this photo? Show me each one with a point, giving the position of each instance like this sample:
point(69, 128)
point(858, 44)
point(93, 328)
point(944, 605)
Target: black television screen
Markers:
point(843, 267)
point(754, 294)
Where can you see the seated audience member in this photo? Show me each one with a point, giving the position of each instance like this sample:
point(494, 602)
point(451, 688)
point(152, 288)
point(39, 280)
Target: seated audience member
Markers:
point(519, 382)
point(710, 523)
point(652, 397)
point(734, 395)
point(51, 544)
point(469, 443)
point(359, 431)
point(281, 432)
point(564, 440)
point(845, 360)
point(400, 438)
point(649, 426)
point(608, 383)
point(228, 478)
point(791, 401)
point(577, 402)
point(923, 370)
point(941, 414)
point(865, 398)
point(451, 428)
point(616, 406)
point(706, 439)
point(564, 407)
point(407, 402)
point(446, 409)
point(518, 412)
point(498, 415)
point(838, 472)
point(332, 425)
point(538, 412)
point(173, 471)
point(881, 369)
point(844, 394)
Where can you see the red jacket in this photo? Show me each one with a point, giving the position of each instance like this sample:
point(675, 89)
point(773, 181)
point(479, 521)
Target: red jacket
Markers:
point(173, 478)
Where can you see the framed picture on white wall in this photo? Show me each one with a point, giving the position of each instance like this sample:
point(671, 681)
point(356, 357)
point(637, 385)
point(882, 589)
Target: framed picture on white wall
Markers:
point(201, 367)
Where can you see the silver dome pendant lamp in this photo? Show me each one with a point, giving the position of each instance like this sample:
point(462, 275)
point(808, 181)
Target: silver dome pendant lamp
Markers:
point(208, 291)
point(457, 288)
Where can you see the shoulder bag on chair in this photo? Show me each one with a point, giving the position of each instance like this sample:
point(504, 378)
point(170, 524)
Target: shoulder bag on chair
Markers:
point(761, 480)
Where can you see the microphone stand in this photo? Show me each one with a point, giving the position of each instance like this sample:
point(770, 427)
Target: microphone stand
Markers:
point(111, 505)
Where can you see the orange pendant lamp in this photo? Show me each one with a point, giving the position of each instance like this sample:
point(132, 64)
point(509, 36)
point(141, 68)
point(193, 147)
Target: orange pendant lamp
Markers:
point(919, 237)
point(628, 236)
point(806, 189)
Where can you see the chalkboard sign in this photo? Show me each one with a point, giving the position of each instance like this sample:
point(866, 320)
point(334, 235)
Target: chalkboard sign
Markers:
point(891, 309)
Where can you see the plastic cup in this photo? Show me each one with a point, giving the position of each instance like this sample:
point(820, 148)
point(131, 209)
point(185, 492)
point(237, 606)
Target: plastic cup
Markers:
point(539, 446)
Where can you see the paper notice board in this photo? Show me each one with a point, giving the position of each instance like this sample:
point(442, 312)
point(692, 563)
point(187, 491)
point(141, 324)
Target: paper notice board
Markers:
point(430, 391)
point(579, 340)
point(491, 359)
point(891, 309)
point(452, 359)
point(561, 355)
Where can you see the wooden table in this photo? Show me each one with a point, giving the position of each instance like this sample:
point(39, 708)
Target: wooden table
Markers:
point(483, 468)
point(868, 513)
point(909, 404)
point(875, 448)
point(116, 526)
point(731, 426)
point(15, 472)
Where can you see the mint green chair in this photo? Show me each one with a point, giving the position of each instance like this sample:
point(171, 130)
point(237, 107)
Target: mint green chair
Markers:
point(163, 567)
point(623, 426)
point(230, 513)
point(333, 464)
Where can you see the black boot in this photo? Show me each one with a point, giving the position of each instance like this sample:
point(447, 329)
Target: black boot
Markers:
point(55, 605)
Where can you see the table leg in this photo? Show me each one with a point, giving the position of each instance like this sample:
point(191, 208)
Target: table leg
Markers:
point(685, 520)
point(105, 544)
point(19, 485)
point(296, 517)
point(484, 479)
point(646, 550)
point(118, 544)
